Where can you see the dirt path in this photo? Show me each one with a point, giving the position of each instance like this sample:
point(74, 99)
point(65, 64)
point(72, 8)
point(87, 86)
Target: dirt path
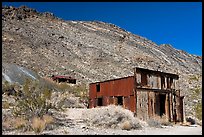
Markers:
point(175, 130)
point(80, 128)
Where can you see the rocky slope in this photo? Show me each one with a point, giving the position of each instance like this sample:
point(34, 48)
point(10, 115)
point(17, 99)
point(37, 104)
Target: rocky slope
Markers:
point(90, 50)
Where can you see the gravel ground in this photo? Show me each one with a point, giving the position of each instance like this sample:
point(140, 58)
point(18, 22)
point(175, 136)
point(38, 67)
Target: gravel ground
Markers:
point(75, 125)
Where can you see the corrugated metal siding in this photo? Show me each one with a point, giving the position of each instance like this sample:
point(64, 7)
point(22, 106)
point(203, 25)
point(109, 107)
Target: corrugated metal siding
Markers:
point(118, 87)
point(132, 105)
point(92, 91)
point(109, 90)
point(127, 102)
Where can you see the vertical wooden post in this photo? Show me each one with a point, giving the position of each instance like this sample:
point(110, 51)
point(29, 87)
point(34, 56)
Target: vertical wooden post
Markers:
point(135, 90)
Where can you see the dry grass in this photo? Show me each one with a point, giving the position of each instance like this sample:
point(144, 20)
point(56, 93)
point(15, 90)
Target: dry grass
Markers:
point(7, 123)
point(5, 105)
point(20, 123)
point(48, 119)
point(12, 123)
point(38, 125)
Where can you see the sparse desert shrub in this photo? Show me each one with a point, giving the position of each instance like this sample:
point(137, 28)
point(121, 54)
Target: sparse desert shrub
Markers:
point(58, 100)
point(194, 78)
point(158, 121)
point(33, 102)
point(112, 117)
point(198, 109)
point(81, 91)
point(154, 123)
point(66, 99)
point(196, 92)
point(9, 88)
point(64, 86)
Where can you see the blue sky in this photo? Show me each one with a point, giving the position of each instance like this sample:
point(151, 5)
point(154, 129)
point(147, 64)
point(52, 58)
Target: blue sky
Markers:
point(175, 23)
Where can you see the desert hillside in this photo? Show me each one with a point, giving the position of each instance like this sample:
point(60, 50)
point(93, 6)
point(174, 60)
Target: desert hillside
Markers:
point(39, 45)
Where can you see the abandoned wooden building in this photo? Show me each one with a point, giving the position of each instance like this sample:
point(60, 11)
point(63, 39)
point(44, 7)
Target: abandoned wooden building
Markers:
point(147, 93)
point(59, 78)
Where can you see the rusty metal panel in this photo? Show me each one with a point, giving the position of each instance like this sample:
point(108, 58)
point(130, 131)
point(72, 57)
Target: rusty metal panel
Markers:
point(105, 89)
point(117, 87)
point(92, 91)
point(100, 92)
point(111, 89)
point(132, 103)
point(126, 103)
point(123, 87)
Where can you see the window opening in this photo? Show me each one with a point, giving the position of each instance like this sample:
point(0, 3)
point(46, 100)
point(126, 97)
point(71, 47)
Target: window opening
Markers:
point(98, 87)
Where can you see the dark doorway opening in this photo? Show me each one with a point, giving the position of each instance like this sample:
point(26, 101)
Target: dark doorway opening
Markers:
point(99, 102)
point(120, 100)
point(162, 98)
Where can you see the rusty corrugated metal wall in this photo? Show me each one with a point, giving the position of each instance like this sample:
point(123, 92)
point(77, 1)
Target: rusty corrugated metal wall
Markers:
point(111, 90)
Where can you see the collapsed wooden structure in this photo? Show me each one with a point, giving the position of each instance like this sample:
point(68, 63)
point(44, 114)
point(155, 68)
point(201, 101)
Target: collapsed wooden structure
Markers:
point(148, 93)
point(59, 78)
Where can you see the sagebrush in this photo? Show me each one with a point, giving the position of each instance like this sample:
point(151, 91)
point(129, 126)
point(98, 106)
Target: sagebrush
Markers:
point(34, 101)
point(112, 117)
